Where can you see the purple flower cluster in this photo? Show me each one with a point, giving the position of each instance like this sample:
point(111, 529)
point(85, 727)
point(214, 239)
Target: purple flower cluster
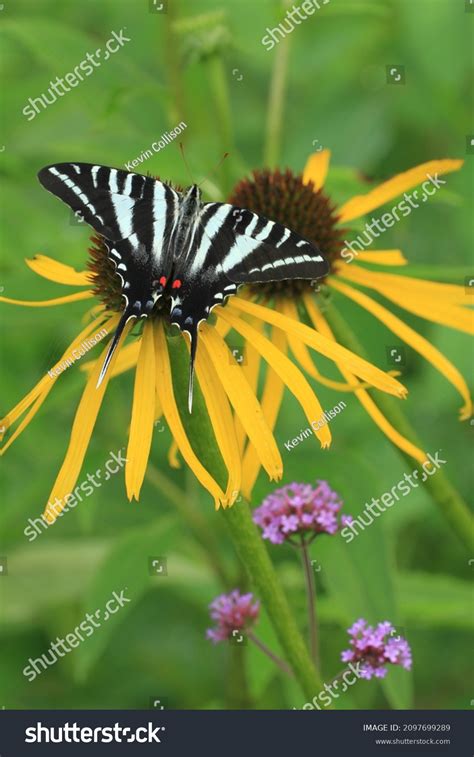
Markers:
point(375, 647)
point(232, 612)
point(301, 509)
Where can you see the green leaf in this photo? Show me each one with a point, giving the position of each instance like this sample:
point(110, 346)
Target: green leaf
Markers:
point(44, 576)
point(436, 600)
point(125, 569)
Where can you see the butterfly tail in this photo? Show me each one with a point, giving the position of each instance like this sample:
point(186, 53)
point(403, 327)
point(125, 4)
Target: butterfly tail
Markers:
point(127, 314)
point(192, 358)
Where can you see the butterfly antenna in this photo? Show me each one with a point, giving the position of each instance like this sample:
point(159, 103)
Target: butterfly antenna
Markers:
point(192, 358)
point(226, 155)
point(181, 147)
point(114, 344)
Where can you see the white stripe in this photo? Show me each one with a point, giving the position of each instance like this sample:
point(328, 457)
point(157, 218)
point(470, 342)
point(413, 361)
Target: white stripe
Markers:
point(76, 168)
point(123, 209)
point(94, 172)
point(159, 216)
point(248, 231)
point(128, 184)
point(242, 247)
point(113, 186)
point(284, 238)
point(301, 244)
point(211, 228)
point(265, 232)
point(77, 191)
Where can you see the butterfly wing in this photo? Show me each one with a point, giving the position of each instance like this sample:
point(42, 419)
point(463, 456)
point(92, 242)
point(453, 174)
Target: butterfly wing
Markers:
point(233, 246)
point(134, 214)
point(264, 251)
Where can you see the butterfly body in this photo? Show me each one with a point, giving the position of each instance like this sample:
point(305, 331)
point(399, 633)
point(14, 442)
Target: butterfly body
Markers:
point(164, 242)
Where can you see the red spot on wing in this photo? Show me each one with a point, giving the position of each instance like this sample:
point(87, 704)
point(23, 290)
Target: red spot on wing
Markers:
point(163, 281)
point(176, 284)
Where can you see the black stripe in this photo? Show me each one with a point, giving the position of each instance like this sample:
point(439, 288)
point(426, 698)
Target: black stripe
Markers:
point(142, 218)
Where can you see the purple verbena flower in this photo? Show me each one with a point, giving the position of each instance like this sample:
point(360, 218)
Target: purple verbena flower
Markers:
point(232, 612)
point(299, 509)
point(375, 647)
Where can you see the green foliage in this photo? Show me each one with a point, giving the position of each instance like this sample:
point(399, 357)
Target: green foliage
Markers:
point(407, 567)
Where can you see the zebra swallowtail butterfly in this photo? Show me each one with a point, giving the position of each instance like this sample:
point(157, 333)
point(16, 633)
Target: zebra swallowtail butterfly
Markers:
point(164, 242)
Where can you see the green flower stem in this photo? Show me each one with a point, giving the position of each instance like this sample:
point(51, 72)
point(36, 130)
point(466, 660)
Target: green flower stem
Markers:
point(311, 594)
point(275, 104)
point(254, 555)
point(268, 652)
point(440, 488)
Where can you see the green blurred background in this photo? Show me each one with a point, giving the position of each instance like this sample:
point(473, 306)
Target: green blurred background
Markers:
point(203, 63)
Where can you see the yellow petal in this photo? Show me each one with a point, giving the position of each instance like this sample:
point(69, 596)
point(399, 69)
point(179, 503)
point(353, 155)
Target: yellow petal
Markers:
point(416, 341)
point(164, 385)
point(49, 303)
point(82, 427)
point(92, 313)
point(143, 415)
point(61, 273)
point(38, 394)
point(222, 422)
point(429, 307)
point(330, 349)
point(367, 402)
point(271, 402)
point(243, 400)
point(288, 372)
point(316, 168)
point(126, 360)
point(451, 294)
point(303, 357)
point(362, 204)
point(251, 368)
point(222, 327)
point(383, 257)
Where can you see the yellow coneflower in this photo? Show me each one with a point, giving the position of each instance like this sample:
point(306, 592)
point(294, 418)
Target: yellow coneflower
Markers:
point(232, 406)
point(300, 202)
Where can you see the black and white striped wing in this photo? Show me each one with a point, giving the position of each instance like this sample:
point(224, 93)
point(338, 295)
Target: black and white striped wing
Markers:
point(134, 214)
point(262, 251)
point(231, 247)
